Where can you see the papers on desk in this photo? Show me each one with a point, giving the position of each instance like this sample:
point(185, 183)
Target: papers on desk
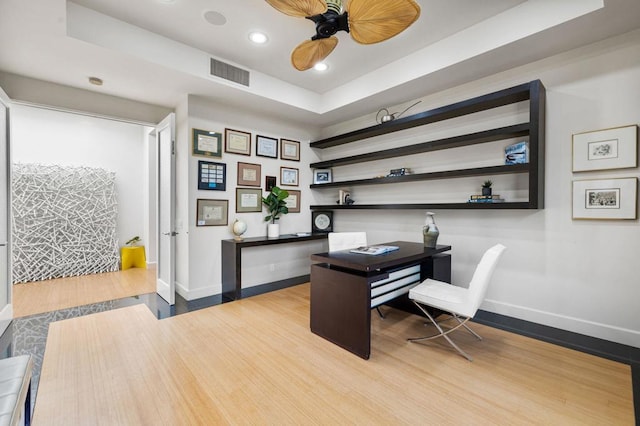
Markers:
point(374, 249)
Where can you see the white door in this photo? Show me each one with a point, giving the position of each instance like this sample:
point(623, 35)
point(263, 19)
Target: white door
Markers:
point(165, 137)
point(6, 310)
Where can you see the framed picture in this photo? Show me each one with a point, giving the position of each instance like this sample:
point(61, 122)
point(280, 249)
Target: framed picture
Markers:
point(606, 149)
point(212, 176)
point(208, 144)
point(237, 142)
point(288, 176)
point(293, 201)
point(321, 221)
point(269, 183)
point(248, 200)
point(212, 212)
point(249, 174)
point(289, 150)
point(605, 198)
point(321, 176)
point(266, 147)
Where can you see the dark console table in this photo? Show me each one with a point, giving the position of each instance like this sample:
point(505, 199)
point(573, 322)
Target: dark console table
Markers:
point(346, 286)
point(232, 259)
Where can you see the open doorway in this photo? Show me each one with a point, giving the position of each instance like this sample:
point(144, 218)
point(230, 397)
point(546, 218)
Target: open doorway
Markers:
point(48, 136)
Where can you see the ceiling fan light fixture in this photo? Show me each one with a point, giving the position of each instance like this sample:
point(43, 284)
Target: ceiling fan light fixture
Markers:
point(321, 66)
point(258, 38)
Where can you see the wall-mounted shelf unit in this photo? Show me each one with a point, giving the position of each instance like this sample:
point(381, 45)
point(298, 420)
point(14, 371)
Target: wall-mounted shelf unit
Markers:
point(533, 92)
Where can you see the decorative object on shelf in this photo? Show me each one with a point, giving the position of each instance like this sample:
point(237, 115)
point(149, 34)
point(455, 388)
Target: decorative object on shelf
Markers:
point(366, 21)
point(212, 212)
point(398, 172)
point(518, 153)
point(386, 116)
point(206, 143)
point(288, 176)
point(605, 199)
point(606, 149)
point(266, 147)
point(269, 183)
point(212, 176)
point(430, 231)
point(321, 176)
point(486, 187)
point(133, 241)
point(344, 197)
point(485, 199)
point(238, 228)
point(249, 174)
point(322, 221)
point(276, 206)
point(237, 142)
point(289, 150)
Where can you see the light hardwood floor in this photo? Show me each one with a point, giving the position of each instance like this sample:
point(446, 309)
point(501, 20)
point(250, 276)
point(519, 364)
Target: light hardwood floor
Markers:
point(52, 295)
point(255, 361)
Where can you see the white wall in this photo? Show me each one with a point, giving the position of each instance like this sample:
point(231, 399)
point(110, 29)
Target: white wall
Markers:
point(260, 265)
point(575, 275)
point(52, 137)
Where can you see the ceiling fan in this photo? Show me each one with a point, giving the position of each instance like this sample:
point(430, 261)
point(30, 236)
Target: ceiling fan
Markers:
point(367, 21)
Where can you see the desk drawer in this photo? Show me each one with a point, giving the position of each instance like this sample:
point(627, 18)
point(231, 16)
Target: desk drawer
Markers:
point(398, 283)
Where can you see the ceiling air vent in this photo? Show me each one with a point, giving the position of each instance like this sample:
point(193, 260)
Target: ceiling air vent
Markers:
point(229, 72)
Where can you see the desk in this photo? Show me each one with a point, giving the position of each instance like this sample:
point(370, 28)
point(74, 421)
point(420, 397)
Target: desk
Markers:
point(232, 259)
point(346, 286)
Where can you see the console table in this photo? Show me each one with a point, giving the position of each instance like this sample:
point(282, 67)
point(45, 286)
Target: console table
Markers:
point(345, 287)
point(232, 259)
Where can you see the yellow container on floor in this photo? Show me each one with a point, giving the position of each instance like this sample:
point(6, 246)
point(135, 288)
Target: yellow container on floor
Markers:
point(133, 257)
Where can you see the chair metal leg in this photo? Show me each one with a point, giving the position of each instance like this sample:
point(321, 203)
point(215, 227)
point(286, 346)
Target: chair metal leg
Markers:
point(442, 332)
point(379, 312)
point(466, 326)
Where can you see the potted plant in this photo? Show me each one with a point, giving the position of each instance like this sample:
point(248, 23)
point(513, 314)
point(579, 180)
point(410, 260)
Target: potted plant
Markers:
point(486, 187)
point(133, 242)
point(276, 206)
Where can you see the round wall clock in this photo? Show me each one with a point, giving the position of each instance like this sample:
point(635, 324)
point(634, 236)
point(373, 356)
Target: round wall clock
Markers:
point(322, 221)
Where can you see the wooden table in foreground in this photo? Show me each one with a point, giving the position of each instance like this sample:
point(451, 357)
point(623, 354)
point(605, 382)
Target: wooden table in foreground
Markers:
point(345, 287)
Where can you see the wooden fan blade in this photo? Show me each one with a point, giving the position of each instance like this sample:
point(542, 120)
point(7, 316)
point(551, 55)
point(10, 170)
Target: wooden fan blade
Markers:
point(310, 52)
point(373, 21)
point(299, 8)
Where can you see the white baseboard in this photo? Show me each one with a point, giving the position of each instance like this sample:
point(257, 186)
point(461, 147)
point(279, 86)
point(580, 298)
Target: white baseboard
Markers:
point(197, 293)
point(576, 325)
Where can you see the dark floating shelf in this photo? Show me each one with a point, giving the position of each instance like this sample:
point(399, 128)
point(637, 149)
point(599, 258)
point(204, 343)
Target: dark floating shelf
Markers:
point(533, 92)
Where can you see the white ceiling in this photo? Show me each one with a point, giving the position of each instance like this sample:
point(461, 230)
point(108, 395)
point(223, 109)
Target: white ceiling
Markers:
point(157, 52)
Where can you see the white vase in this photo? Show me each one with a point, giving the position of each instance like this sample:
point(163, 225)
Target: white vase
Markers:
point(273, 230)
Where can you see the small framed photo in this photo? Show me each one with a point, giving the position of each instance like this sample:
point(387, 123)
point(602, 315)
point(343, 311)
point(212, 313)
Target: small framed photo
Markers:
point(289, 150)
point(249, 174)
point(269, 183)
point(321, 176)
point(212, 176)
point(237, 142)
point(266, 147)
point(605, 198)
point(288, 176)
point(606, 149)
point(212, 212)
point(293, 201)
point(248, 200)
point(321, 221)
point(207, 144)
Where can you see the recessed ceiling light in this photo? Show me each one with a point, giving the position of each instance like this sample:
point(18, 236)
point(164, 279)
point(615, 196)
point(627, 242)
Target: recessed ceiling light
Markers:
point(321, 66)
point(258, 37)
point(215, 18)
point(96, 81)
point(167, 1)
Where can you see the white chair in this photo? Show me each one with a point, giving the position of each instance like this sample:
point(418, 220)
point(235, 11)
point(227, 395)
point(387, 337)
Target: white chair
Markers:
point(348, 240)
point(461, 303)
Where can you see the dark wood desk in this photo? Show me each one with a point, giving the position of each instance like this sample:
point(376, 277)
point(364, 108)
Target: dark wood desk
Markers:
point(346, 286)
point(232, 259)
